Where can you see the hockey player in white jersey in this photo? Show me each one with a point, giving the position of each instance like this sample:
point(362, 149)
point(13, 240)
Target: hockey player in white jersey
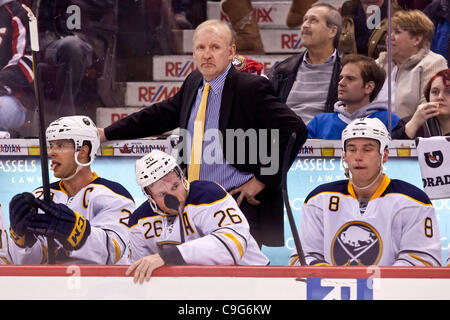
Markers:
point(185, 223)
point(368, 219)
point(87, 216)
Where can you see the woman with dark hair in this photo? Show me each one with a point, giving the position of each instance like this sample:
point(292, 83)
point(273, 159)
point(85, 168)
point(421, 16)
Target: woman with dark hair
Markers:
point(431, 118)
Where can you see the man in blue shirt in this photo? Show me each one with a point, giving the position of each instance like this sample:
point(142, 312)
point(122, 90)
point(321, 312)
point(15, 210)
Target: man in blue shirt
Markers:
point(360, 81)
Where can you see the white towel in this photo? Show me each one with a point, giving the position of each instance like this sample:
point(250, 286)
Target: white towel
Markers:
point(434, 161)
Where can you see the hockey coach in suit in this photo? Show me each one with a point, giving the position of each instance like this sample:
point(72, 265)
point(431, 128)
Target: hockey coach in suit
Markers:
point(238, 104)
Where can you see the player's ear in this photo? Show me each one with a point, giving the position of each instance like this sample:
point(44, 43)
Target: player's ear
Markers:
point(385, 155)
point(84, 156)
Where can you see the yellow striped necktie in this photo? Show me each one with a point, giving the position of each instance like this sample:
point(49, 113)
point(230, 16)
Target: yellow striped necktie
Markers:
point(197, 139)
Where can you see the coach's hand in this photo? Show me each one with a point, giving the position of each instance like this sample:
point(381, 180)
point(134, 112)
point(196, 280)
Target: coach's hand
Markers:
point(143, 268)
point(70, 228)
point(101, 133)
point(21, 211)
point(249, 190)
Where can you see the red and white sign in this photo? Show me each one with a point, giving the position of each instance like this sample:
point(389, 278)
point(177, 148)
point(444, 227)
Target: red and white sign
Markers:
point(177, 67)
point(107, 116)
point(140, 94)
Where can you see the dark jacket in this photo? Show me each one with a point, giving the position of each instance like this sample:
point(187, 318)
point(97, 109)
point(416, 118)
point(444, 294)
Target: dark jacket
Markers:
point(247, 102)
point(282, 77)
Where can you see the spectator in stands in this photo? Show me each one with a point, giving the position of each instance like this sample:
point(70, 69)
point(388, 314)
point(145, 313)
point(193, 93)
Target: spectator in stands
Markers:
point(431, 118)
point(413, 62)
point(73, 38)
point(307, 82)
point(237, 100)
point(244, 23)
point(439, 13)
point(16, 69)
point(5, 257)
point(296, 12)
point(361, 33)
point(360, 81)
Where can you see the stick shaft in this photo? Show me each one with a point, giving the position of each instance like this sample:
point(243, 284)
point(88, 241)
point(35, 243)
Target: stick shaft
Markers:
point(34, 38)
point(287, 156)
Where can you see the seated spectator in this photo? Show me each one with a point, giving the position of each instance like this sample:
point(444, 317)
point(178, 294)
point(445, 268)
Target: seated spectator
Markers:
point(307, 82)
point(439, 12)
point(360, 32)
point(71, 42)
point(413, 62)
point(431, 118)
point(194, 223)
point(368, 219)
point(360, 81)
point(16, 70)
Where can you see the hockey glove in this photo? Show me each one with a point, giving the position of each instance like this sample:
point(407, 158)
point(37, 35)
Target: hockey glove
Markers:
point(70, 228)
point(21, 211)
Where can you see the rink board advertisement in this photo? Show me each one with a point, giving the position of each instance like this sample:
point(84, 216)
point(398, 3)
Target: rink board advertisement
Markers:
point(20, 173)
point(225, 285)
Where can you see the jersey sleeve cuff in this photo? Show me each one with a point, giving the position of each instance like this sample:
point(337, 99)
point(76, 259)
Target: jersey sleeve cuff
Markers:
point(172, 256)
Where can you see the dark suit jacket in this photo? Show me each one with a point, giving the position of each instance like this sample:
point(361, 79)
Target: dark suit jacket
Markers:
point(248, 101)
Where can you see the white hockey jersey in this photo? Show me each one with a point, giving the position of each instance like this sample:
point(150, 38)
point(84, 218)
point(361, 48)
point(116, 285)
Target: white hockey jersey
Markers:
point(214, 229)
point(397, 228)
point(4, 242)
point(107, 205)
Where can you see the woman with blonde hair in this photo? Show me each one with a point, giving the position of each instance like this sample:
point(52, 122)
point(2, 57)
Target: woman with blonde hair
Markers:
point(413, 62)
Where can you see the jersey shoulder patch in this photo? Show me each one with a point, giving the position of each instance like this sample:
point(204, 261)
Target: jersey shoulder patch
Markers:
point(143, 211)
point(114, 186)
point(205, 192)
point(407, 189)
point(340, 186)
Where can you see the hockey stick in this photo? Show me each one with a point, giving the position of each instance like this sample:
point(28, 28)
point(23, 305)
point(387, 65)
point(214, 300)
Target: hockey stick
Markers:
point(34, 39)
point(285, 169)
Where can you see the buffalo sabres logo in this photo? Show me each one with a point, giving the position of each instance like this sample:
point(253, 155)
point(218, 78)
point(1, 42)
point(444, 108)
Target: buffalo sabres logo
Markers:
point(86, 121)
point(356, 243)
point(434, 159)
